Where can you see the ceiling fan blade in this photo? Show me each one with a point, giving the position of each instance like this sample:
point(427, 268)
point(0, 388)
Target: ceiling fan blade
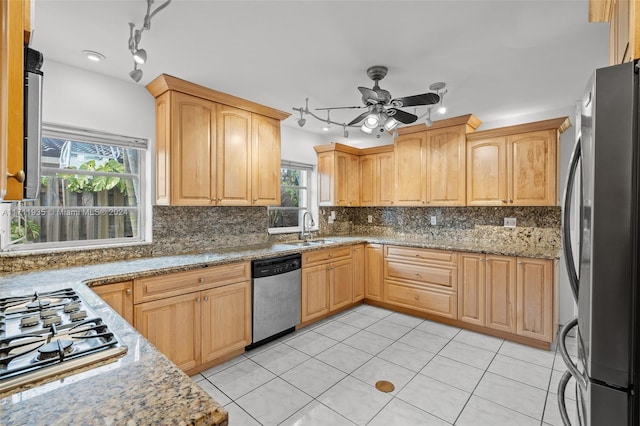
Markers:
point(416, 100)
point(347, 107)
point(359, 118)
point(402, 116)
point(368, 96)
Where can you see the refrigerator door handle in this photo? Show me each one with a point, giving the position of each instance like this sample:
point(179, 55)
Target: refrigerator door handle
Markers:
point(562, 346)
point(562, 386)
point(566, 220)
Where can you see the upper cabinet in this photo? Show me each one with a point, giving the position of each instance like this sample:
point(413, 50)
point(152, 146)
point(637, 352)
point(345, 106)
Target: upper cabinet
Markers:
point(623, 17)
point(430, 163)
point(516, 165)
point(376, 177)
point(213, 148)
point(15, 21)
point(338, 175)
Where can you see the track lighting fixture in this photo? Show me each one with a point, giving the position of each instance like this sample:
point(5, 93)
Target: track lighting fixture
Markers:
point(135, 36)
point(345, 132)
point(438, 87)
point(301, 120)
point(428, 121)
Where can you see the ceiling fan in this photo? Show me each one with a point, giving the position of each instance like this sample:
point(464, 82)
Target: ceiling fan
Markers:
point(383, 112)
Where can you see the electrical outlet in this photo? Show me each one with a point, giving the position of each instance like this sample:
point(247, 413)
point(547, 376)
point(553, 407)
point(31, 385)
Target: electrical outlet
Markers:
point(330, 220)
point(433, 220)
point(509, 222)
point(333, 214)
point(370, 218)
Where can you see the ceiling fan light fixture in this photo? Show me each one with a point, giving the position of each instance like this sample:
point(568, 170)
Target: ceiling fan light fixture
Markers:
point(372, 121)
point(391, 124)
point(366, 129)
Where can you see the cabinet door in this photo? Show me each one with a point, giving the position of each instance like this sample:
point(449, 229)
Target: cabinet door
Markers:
point(315, 292)
point(367, 180)
point(471, 288)
point(173, 326)
point(487, 172)
point(446, 167)
point(326, 178)
point(233, 163)
point(11, 97)
point(533, 169)
point(501, 293)
point(192, 151)
point(357, 260)
point(341, 179)
point(353, 178)
point(226, 320)
point(535, 298)
point(373, 271)
point(119, 296)
point(340, 284)
point(265, 158)
point(384, 179)
point(410, 175)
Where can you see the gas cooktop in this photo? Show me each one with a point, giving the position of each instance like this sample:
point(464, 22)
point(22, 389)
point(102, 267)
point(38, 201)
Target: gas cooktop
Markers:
point(47, 334)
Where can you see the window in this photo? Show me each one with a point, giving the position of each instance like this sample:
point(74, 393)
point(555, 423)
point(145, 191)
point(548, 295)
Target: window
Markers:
point(294, 198)
point(90, 192)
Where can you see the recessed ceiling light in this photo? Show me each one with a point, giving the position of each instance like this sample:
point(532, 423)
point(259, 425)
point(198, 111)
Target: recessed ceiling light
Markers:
point(93, 56)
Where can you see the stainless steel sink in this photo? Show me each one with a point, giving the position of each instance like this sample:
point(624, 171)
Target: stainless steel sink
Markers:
point(310, 243)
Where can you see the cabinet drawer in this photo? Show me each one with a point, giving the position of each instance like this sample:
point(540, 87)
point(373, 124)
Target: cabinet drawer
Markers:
point(159, 287)
point(326, 255)
point(429, 300)
point(420, 254)
point(427, 273)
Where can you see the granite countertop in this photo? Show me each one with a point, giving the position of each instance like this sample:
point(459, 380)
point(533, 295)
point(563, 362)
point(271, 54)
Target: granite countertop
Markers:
point(144, 387)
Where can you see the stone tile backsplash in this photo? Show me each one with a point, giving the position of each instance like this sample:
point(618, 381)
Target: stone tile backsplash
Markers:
point(535, 225)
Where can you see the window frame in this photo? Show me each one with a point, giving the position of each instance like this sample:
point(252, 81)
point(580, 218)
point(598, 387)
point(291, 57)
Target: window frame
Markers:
point(79, 134)
point(309, 170)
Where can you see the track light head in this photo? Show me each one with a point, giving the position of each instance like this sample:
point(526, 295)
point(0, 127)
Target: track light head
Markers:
point(140, 56)
point(345, 132)
point(136, 74)
point(428, 121)
point(302, 122)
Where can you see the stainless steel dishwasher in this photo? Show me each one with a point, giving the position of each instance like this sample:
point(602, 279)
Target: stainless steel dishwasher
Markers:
point(276, 297)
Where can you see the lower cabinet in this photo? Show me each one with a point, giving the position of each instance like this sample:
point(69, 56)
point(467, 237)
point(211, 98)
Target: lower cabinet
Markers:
point(357, 261)
point(211, 319)
point(510, 294)
point(119, 296)
point(327, 282)
point(421, 279)
point(373, 271)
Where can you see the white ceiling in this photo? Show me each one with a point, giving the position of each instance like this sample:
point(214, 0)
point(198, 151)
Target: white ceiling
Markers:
point(499, 59)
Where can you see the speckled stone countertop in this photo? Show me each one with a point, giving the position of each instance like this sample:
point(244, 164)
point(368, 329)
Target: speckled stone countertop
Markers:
point(143, 387)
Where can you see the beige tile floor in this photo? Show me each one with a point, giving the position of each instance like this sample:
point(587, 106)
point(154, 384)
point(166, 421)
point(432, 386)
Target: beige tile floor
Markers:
point(325, 375)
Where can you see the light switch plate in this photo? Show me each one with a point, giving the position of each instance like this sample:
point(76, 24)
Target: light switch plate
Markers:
point(370, 219)
point(330, 220)
point(509, 222)
point(333, 214)
point(433, 220)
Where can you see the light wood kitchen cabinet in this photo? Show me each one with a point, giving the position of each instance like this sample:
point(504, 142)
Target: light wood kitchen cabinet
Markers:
point(471, 288)
point(376, 179)
point(119, 296)
point(15, 25)
point(213, 148)
point(623, 17)
point(357, 260)
point(233, 156)
point(373, 271)
point(196, 317)
point(338, 175)
point(327, 282)
point(535, 315)
point(265, 159)
point(446, 160)
point(226, 320)
point(421, 279)
point(514, 166)
point(410, 171)
point(501, 293)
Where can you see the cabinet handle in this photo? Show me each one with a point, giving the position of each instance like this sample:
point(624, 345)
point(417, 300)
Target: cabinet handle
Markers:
point(255, 200)
point(417, 254)
point(128, 292)
point(510, 200)
point(481, 260)
point(19, 176)
point(201, 280)
point(519, 263)
point(505, 201)
point(417, 274)
point(391, 202)
point(197, 300)
point(416, 297)
point(206, 298)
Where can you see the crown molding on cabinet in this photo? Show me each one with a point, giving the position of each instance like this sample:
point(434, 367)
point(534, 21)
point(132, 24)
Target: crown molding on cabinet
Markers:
point(561, 124)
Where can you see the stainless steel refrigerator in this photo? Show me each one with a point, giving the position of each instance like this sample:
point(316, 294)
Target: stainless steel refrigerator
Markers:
point(605, 282)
